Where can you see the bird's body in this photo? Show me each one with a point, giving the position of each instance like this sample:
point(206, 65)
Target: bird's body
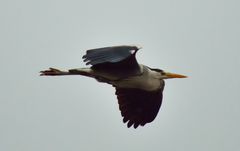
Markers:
point(138, 87)
point(147, 79)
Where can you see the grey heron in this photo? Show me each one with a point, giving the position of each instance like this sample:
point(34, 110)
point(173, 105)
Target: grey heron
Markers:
point(138, 87)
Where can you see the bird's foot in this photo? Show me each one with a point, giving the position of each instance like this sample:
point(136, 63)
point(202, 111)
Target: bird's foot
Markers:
point(52, 72)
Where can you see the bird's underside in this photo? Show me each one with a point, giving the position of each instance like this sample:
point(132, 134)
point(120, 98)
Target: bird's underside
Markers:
point(138, 88)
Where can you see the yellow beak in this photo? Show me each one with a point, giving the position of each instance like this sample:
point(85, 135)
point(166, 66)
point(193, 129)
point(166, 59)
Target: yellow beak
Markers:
point(174, 75)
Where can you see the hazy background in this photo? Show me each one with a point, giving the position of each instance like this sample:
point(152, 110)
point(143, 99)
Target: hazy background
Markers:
point(196, 38)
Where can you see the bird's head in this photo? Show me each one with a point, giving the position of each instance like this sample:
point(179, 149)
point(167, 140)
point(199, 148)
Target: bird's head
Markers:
point(161, 74)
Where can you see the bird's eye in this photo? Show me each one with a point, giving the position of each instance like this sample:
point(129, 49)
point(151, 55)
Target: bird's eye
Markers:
point(163, 73)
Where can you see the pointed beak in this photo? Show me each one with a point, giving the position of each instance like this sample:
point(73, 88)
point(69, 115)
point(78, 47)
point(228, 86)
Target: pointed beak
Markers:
point(174, 75)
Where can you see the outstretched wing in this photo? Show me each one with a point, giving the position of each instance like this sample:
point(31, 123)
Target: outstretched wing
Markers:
point(137, 106)
point(116, 60)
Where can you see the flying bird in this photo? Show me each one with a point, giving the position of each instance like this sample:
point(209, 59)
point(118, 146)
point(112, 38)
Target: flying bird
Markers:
point(139, 88)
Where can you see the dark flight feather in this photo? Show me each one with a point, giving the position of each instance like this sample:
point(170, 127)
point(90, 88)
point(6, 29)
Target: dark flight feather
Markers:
point(137, 106)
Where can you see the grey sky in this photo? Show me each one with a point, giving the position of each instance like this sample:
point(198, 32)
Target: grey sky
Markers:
point(196, 38)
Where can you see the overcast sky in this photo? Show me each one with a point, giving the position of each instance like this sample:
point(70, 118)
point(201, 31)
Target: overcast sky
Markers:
point(196, 38)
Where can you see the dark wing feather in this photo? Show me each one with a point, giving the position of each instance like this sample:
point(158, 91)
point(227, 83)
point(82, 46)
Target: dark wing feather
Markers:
point(137, 106)
point(116, 60)
point(108, 54)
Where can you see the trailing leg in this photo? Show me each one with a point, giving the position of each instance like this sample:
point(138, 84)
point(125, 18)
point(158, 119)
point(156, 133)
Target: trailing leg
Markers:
point(56, 72)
